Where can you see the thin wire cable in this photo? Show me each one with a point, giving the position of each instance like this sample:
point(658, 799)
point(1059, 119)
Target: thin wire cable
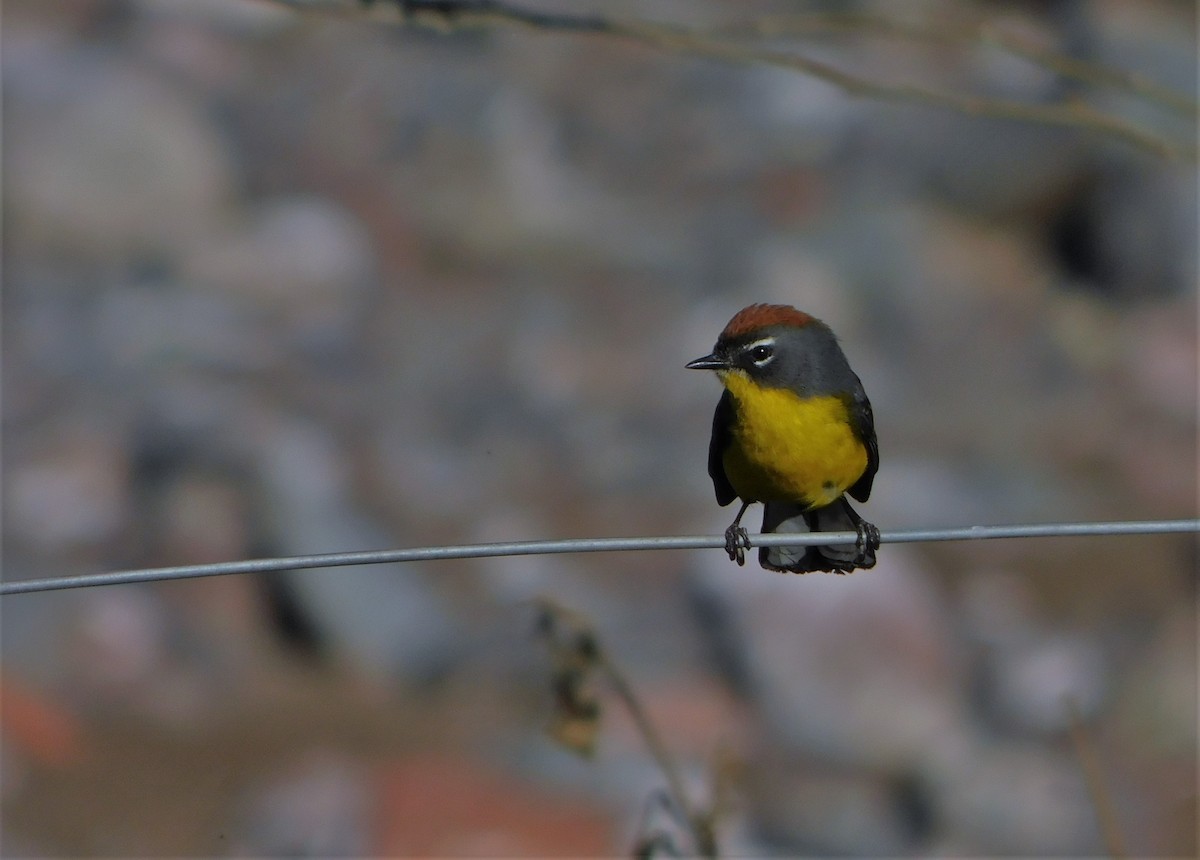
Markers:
point(491, 550)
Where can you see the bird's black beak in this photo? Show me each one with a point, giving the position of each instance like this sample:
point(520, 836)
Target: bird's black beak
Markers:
point(708, 362)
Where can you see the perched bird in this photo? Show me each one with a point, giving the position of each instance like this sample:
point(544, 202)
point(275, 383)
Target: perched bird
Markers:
point(793, 430)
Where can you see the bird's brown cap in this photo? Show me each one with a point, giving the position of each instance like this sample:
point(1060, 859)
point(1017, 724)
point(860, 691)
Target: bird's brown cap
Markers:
point(756, 317)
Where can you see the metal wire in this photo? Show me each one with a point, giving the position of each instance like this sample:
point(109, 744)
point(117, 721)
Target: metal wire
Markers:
point(487, 550)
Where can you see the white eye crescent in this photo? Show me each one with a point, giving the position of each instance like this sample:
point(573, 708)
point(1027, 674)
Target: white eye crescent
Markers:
point(761, 352)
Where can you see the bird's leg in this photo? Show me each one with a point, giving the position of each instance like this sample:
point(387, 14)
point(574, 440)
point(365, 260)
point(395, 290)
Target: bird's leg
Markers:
point(867, 542)
point(737, 539)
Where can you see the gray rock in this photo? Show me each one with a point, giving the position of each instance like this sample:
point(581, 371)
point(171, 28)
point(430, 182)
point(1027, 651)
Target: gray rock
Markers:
point(106, 159)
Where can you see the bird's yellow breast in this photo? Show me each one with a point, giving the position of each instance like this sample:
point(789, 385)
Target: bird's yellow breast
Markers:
point(785, 447)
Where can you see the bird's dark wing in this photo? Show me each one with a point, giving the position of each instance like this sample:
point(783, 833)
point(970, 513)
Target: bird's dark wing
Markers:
point(721, 436)
point(862, 422)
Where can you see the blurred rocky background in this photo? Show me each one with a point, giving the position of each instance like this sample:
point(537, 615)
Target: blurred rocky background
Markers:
point(279, 284)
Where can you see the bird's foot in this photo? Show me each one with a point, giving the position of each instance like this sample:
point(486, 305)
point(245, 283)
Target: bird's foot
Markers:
point(866, 544)
point(737, 541)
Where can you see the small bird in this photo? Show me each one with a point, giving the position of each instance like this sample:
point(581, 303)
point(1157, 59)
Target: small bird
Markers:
point(793, 430)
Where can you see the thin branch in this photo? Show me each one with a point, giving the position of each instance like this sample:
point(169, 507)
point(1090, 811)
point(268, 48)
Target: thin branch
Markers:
point(969, 33)
point(451, 14)
point(1093, 776)
point(582, 648)
point(1073, 114)
point(581, 545)
point(1092, 73)
point(699, 823)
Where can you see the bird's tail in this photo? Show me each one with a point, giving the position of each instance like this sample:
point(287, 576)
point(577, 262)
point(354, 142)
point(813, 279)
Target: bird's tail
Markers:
point(788, 518)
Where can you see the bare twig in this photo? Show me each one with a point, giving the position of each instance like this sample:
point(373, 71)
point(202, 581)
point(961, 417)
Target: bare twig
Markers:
point(968, 33)
point(451, 14)
point(700, 822)
point(575, 647)
point(1089, 763)
point(1072, 114)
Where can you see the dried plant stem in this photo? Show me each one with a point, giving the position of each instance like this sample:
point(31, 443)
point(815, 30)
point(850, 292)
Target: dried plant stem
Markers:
point(1072, 114)
point(720, 44)
point(700, 824)
point(1089, 763)
point(973, 33)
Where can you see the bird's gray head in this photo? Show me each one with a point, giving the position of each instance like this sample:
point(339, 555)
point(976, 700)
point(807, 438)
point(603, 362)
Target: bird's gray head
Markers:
point(777, 346)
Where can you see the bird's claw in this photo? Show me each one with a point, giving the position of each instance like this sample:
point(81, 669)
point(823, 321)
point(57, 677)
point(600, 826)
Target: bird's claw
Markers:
point(737, 541)
point(867, 541)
